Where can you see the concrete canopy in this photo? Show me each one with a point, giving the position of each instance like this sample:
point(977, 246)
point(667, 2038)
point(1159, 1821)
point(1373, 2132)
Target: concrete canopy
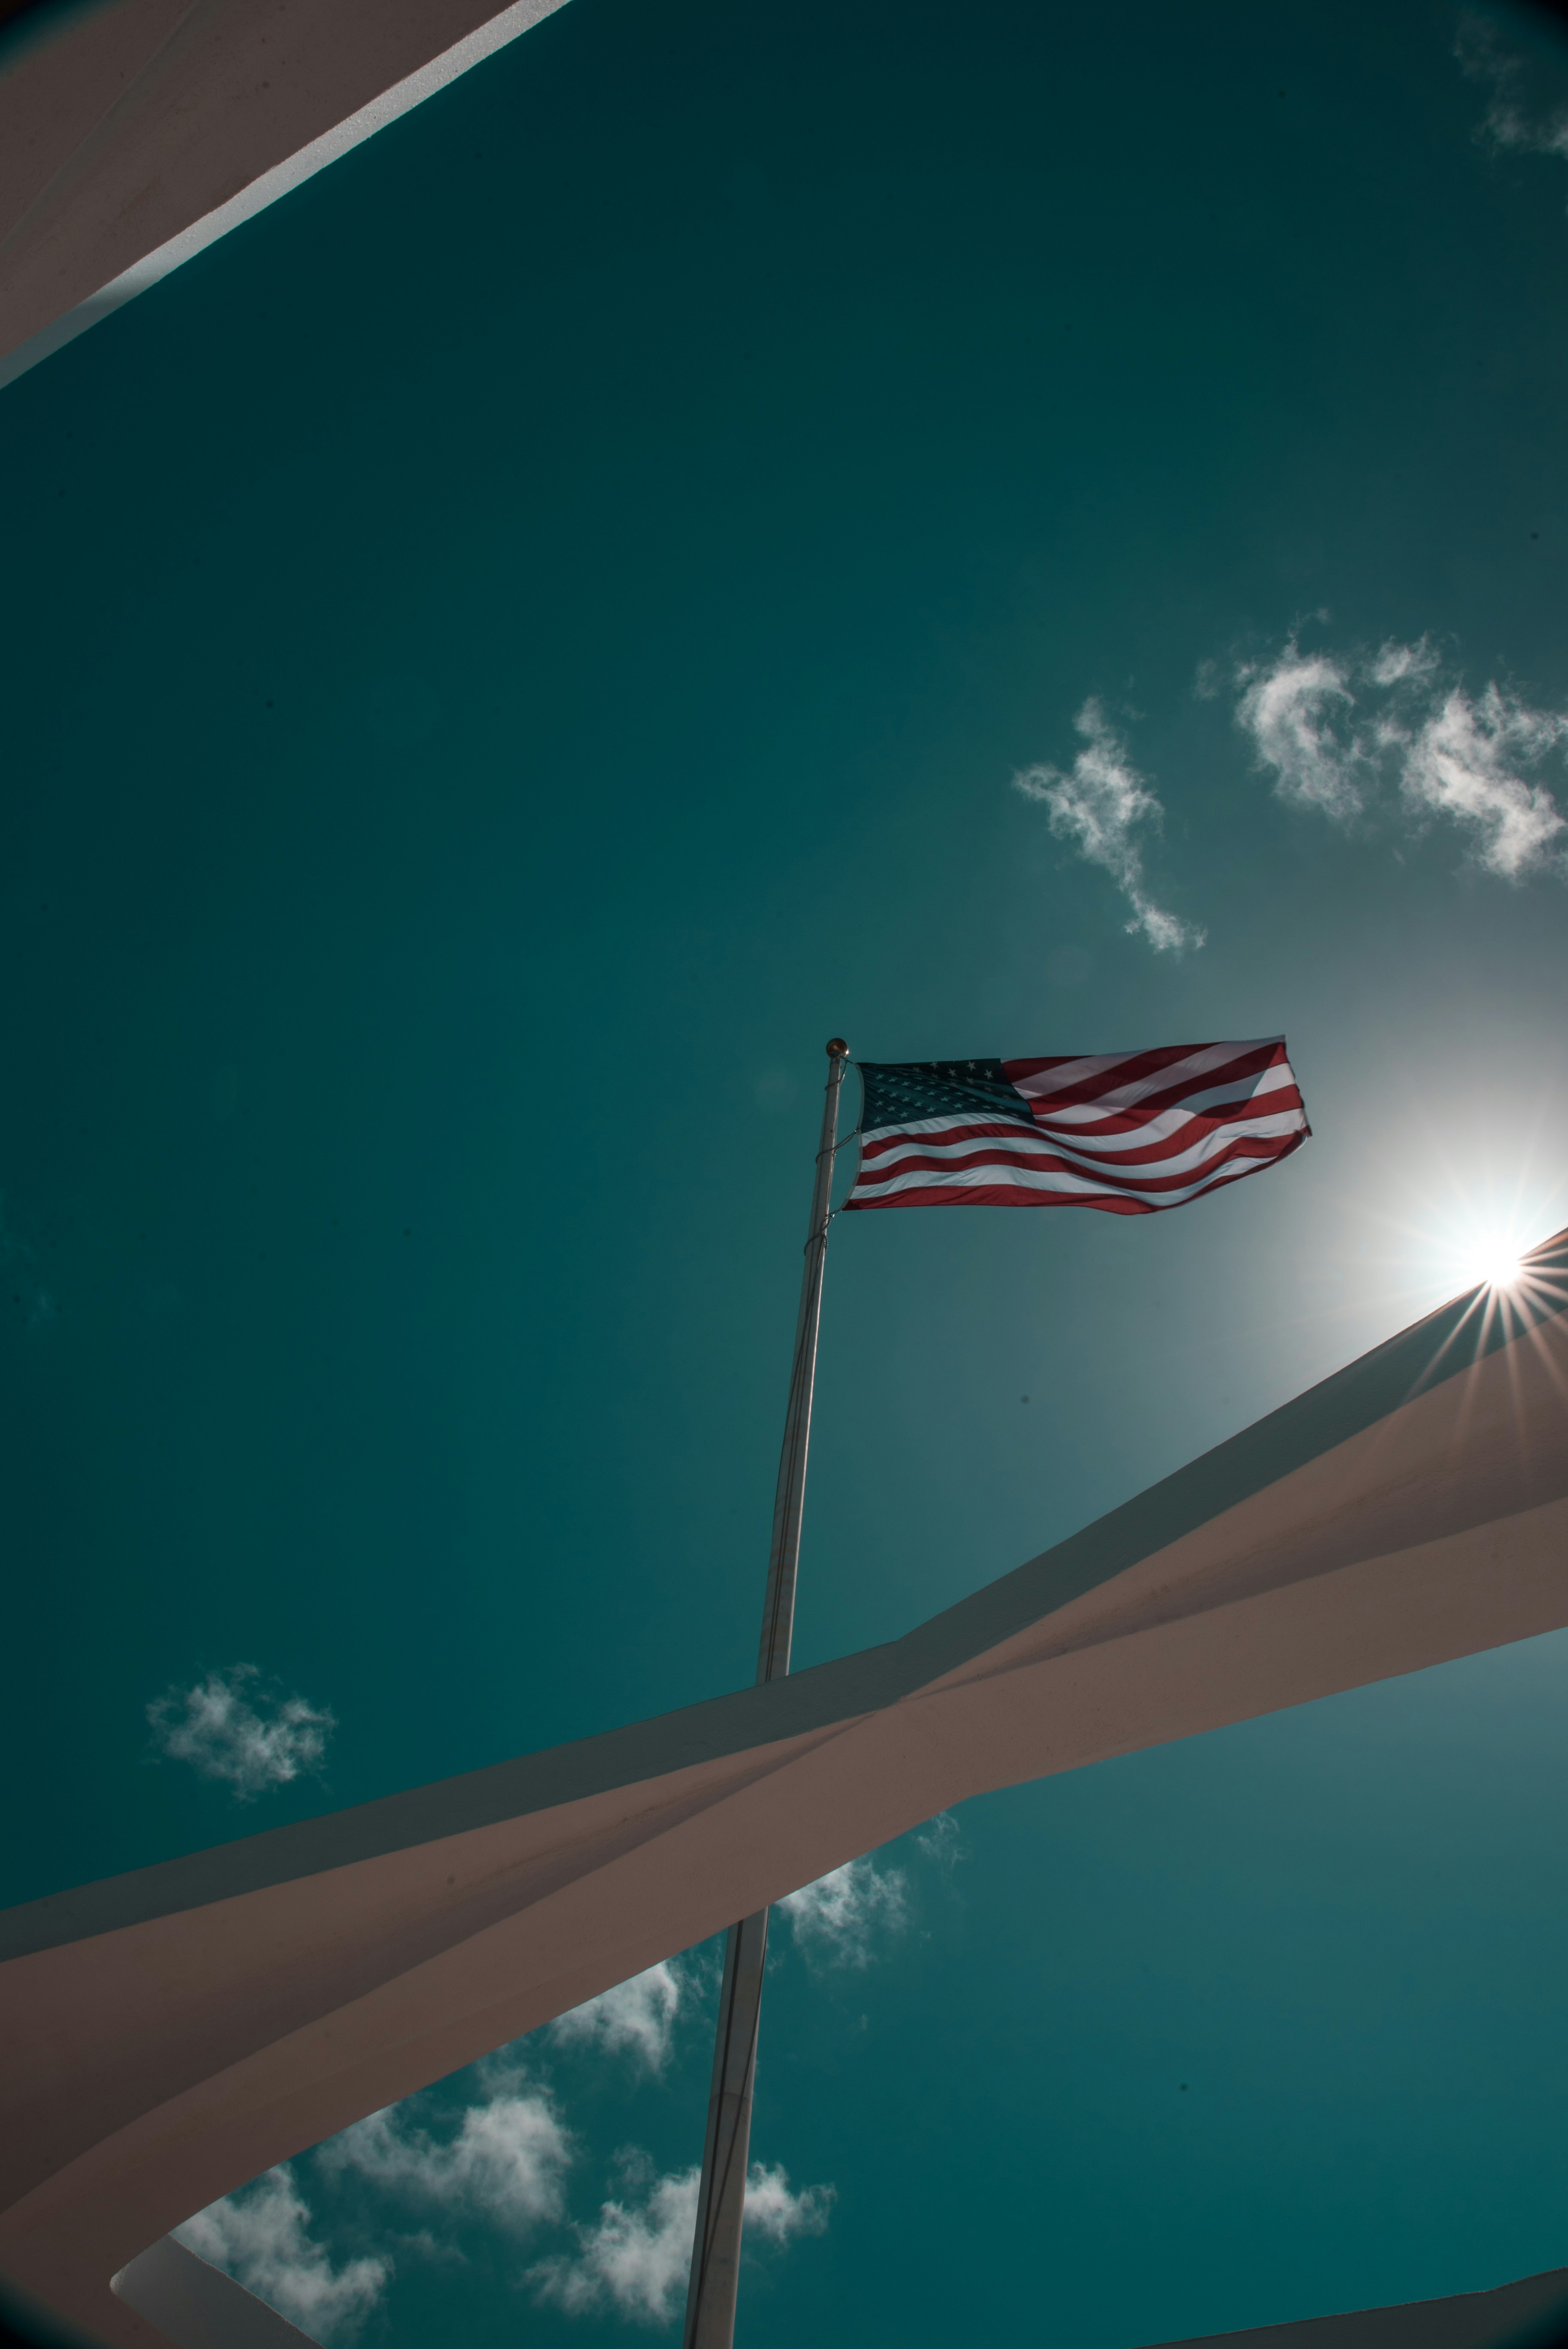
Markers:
point(175, 2031)
point(135, 132)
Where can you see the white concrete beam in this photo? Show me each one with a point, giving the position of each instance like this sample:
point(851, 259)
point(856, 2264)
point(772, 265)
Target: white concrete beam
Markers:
point(171, 2033)
point(135, 135)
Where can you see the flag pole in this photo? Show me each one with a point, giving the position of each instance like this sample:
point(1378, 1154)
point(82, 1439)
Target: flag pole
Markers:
point(721, 2196)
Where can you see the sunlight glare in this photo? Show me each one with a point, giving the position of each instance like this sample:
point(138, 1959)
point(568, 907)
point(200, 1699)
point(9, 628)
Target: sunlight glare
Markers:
point(1492, 1263)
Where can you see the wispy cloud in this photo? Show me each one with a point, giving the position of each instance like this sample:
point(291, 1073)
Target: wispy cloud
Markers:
point(1518, 115)
point(839, 1919)
point(1295, 710)
point(1391, 736)
point(779, 2216)
point(1106, 807)
point(261, 2236)
point(637, 2018)
point(233, 1726)
point(635, 2257)
point(1468, 761)
point(1397, 664)
point(941, 1841)
point(508, 2160)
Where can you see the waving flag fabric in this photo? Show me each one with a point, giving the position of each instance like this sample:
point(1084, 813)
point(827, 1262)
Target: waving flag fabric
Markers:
point(1126, 1132)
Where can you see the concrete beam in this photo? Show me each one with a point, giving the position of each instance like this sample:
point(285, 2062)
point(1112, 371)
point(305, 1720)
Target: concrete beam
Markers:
point(170, 2033)
point(135, 133)
point(1530, 2314)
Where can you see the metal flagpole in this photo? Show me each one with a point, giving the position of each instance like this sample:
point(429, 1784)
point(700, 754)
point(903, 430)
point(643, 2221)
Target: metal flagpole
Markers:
point(721, 2197)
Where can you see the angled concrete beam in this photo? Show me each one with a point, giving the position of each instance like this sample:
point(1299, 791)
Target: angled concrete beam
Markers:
point(172, 2033)
point(1530, 2314)
point(134, 134)
point(197, 2306)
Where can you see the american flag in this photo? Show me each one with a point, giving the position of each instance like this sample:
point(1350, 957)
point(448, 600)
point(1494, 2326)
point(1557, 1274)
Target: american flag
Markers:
point(1126, 1132)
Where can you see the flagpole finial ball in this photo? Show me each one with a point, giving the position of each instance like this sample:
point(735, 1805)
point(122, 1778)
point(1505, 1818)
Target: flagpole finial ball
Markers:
point(837, 1048)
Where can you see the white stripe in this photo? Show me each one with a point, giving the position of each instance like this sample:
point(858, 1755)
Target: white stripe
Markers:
point(1046, 1145)
point(1167, 1121)
point(1077, 1073)
point(1062, 1186)
point(1019, 1120)
point(1153, 1129)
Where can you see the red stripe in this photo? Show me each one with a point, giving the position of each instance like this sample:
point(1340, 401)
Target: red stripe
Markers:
point(1008, 1195)
point(1115, 1071)
point(1182, 1137)
point(1049, 1159)
point(1137, 1065)
point(893, 1137)
point(1201, 1123)
point(999, 1194)
point(1130, 1068)
point(1153, 1105)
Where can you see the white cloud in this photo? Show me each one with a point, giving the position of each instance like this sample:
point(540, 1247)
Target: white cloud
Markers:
point(508, 2160)
point(942, 1840)
point(1292, 711)
point(1336, 729)
point(231, 1727)
point(1465, 763)
point(261, 2237)
point(636, 2018)
point(1516, 116)
point(1101, 805)
point(779, 2216)
point(635, 2257)
point(836, 1920)
point(1395, 664)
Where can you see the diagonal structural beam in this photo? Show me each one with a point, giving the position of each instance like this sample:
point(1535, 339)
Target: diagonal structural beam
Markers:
point(135, 132)
point(1530, 2314)
point(172, 2033)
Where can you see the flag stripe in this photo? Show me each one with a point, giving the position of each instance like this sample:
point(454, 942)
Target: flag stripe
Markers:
point(1129, 1133)
point(1134, 1150)
point(1011, 1194)
point(1133, 1073)
point(1048, 1165)
point(1120, 1111)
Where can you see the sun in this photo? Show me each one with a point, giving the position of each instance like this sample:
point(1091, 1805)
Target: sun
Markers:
point(1490, 1262)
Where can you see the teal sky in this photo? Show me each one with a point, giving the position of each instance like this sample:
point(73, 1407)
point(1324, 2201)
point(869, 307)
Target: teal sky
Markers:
point(507, 653)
